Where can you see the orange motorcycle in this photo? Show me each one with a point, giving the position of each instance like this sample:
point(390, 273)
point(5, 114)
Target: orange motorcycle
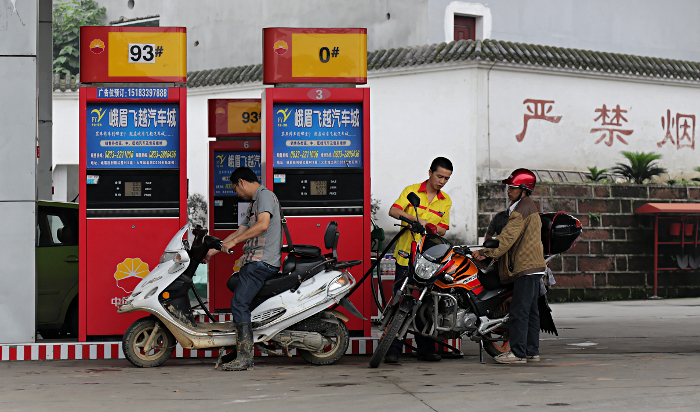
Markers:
point(456, 298)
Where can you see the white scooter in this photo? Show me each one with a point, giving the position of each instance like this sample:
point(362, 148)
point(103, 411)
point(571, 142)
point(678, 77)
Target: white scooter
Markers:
point(291, 311)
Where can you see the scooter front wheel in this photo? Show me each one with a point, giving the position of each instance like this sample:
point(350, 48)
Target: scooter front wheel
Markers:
point(387, 338)
point(148, 343)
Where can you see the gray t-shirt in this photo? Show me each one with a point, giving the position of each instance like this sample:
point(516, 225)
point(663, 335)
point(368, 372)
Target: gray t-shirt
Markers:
point(266, 247)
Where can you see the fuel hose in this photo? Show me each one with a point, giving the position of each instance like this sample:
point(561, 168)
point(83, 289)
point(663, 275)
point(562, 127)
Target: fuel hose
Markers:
point(369, 272)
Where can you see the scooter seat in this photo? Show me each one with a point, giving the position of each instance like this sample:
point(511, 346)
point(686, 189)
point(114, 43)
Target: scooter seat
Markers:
point(292, 268)
point(273, 286)
point(306, 251)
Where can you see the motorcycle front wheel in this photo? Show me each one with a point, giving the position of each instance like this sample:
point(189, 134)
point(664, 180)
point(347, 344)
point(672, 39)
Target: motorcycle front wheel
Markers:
point(387, 338)
point(336, 348)
point(144, 332)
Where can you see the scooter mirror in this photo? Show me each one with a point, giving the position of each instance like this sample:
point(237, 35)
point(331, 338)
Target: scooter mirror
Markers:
point(413, 199)
point(492, 243)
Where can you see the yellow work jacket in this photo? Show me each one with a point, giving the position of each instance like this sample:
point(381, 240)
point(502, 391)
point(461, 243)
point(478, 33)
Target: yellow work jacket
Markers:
point(436, 212)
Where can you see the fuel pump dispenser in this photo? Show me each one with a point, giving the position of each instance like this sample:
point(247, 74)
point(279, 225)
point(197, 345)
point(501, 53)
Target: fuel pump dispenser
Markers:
point(133, 157)
point(316, 141)
point(235, 123)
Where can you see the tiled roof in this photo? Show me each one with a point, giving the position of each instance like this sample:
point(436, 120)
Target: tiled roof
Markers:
point(465, 50)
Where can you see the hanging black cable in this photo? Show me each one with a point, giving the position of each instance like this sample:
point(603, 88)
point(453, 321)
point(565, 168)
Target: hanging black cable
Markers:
point(369, 272)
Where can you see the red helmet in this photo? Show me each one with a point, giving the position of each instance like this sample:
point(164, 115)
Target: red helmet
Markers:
point(522, 178)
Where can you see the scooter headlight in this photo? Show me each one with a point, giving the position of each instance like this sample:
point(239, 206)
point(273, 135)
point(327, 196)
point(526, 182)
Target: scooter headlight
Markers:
point(339, 283)
point(167, 256)
point(424, 268)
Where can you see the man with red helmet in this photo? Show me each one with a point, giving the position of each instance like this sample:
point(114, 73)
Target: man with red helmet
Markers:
point(521, 260)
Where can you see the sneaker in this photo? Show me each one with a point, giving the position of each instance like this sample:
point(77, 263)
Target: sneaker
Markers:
point(508, 357)
point(533, 358)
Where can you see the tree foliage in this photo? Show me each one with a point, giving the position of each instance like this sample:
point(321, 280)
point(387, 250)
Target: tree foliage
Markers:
point(68, 17)
point(642, 166)
point(197, 209)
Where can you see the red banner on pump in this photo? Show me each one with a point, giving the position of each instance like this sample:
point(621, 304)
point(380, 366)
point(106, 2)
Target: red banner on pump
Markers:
point(292, 55)
point(133, 54)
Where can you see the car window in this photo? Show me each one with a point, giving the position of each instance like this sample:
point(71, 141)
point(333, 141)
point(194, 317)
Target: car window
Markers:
point(56, 224)
point(57, 227)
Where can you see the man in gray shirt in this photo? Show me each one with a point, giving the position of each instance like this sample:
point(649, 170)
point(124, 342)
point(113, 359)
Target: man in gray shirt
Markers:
point(261, 230)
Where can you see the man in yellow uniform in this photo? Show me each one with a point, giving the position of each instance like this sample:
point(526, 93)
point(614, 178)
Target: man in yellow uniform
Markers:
point(434, 210)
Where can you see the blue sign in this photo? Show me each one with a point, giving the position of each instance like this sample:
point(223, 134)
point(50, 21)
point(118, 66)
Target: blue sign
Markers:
point(317, 135)
point(133, 136)
point(132, 93)
point(226, 162)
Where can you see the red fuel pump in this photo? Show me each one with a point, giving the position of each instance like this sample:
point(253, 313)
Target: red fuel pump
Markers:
point(133, 157)
point(316, 141)
point(225, 211)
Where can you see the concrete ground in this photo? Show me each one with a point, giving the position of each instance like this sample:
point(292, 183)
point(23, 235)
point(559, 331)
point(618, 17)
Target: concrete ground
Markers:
point(609, 356)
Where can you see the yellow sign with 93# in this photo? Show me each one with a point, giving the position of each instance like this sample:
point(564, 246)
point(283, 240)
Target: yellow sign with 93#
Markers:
point(142, 54)
point(244, 117)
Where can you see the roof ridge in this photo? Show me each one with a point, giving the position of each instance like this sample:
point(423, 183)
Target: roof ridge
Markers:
point(460, 51)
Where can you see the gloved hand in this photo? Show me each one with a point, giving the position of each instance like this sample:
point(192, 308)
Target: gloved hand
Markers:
point(431, 229)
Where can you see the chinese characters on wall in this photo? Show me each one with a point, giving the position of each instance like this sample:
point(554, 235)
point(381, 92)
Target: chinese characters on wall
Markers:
point(613, 119)
point(610, 124)
point(538, 111)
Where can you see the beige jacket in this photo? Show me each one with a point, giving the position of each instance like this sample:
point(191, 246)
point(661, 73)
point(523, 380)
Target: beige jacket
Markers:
point(520, 251)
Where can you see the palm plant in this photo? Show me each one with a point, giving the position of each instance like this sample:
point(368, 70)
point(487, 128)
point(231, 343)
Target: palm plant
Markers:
point(596, 175)
point(642, 166)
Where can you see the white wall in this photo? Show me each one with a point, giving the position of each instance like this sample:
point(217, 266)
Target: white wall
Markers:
point(570, 144)
point(415, 118)
point(471, 115)
point(66, 132)
point(229, 33)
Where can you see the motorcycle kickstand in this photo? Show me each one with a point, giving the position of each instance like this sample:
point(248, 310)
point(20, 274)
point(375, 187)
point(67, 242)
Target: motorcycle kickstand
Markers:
point(221, 355)
point(481, 351)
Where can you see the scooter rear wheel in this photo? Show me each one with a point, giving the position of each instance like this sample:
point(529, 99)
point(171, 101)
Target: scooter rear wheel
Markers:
point(336, 348)
point(137, 337)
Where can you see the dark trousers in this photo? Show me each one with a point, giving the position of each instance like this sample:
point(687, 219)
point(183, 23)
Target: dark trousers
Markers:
point(524, 320)
point(252, 278)
point(425, 345)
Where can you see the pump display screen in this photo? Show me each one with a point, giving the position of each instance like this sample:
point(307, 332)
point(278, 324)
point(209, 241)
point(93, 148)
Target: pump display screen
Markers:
point(133, 136)
point(319, 187)
point(317, 135)
point(132, 188)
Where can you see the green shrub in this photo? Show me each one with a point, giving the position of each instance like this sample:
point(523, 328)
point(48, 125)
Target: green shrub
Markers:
point(642, 166)
point(595, 174)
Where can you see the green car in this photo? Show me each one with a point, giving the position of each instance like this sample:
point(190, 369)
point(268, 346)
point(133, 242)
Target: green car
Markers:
point(57, 269)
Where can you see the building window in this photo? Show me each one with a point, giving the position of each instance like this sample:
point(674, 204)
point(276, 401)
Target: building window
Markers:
point(465, 28)
point(467, 21)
